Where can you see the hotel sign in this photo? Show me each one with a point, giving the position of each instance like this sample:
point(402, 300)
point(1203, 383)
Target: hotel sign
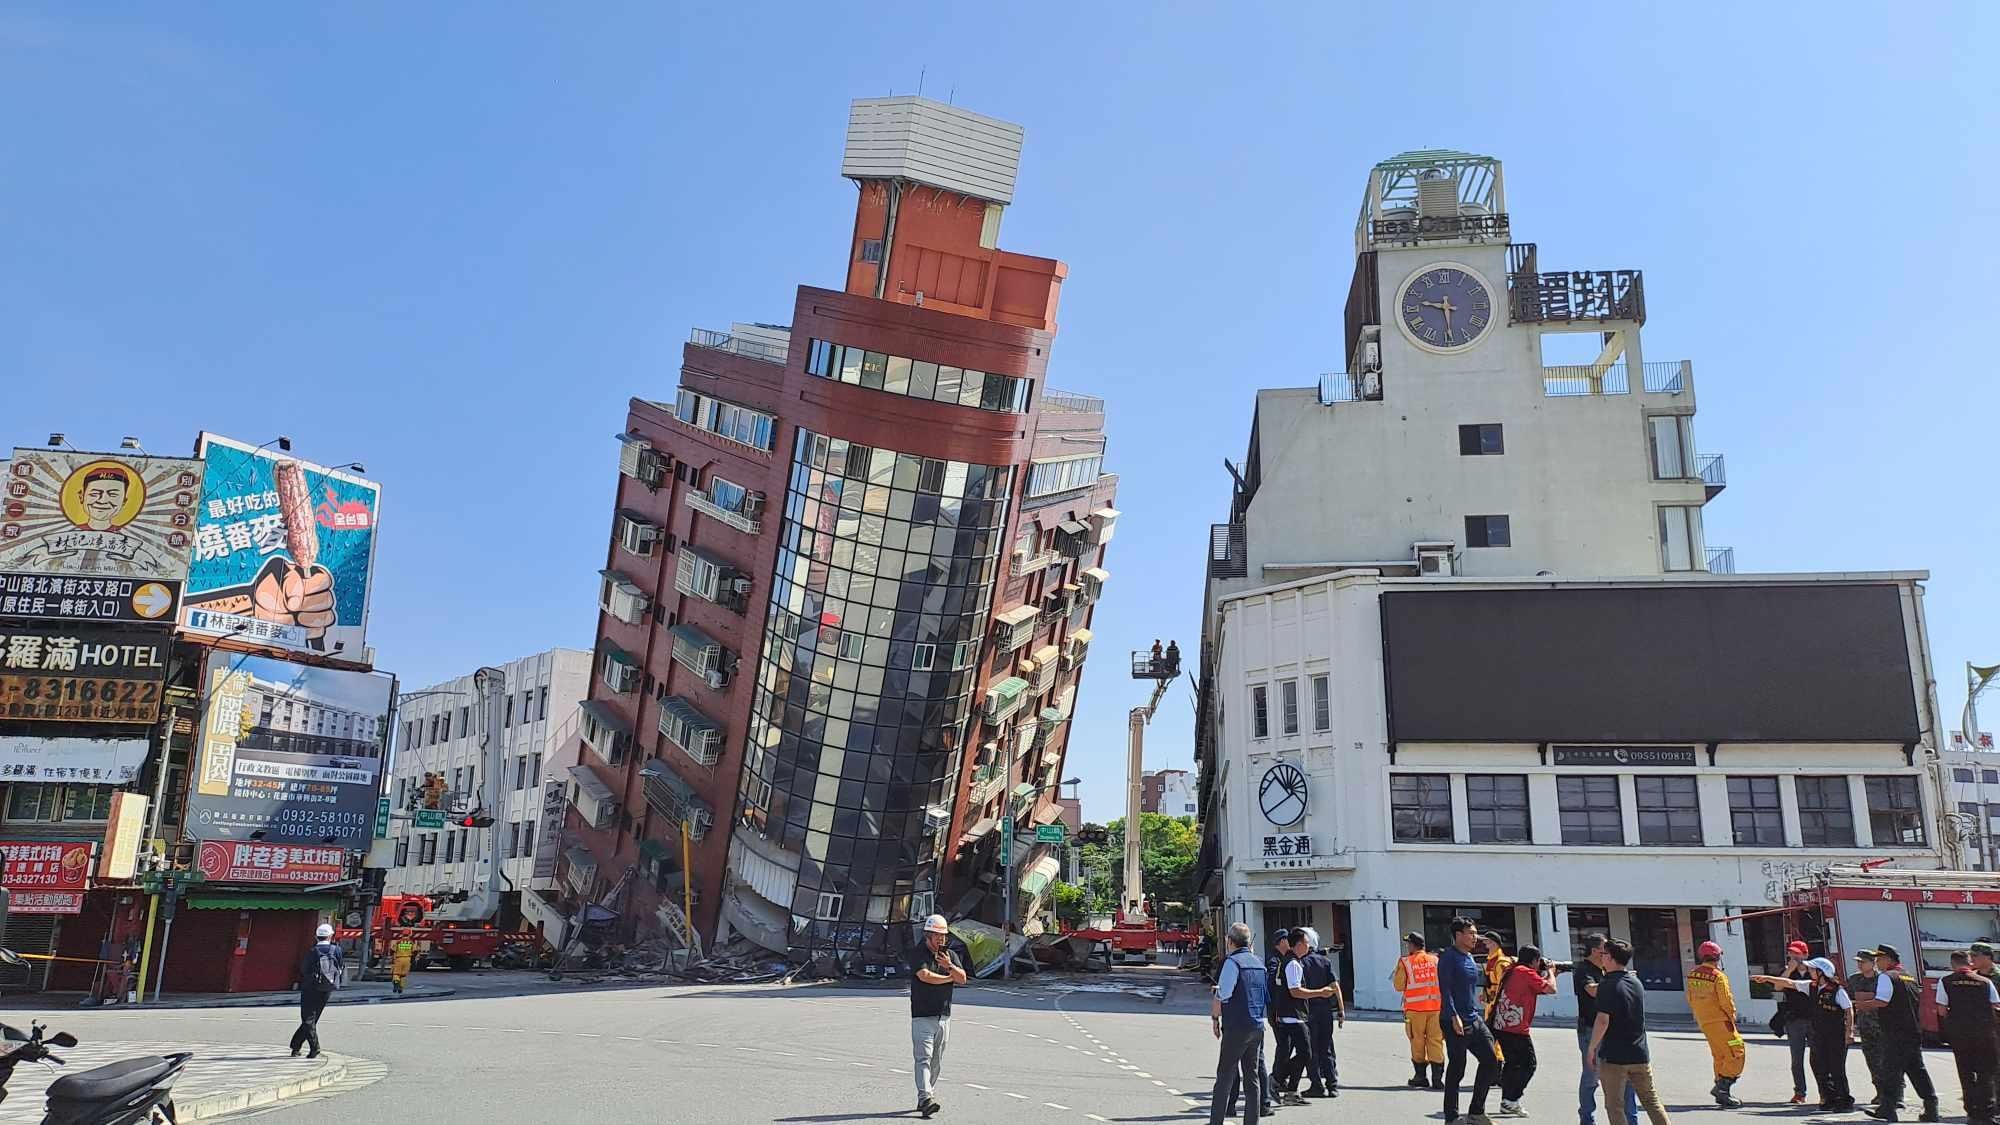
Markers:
point(1680, 756)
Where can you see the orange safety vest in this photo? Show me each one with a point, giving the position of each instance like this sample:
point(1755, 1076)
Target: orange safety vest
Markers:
point(1420, 983)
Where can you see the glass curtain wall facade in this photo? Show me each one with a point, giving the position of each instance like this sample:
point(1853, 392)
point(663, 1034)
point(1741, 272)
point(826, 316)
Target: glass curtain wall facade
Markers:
point(880, 598)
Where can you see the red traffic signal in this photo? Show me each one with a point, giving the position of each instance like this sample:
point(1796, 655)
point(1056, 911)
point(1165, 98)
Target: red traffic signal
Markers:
point(475, 820)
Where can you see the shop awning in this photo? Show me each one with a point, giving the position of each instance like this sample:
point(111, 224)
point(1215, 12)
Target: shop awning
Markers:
point(1007, 689)
point(978, 831)
point(768, 879)
point(1073, 527)
point(605, 717)
point(1097, 574)
point(1020, 614)
point(1080, 636)
point(272, 901)
point(1045, 655)
point(1039, 874)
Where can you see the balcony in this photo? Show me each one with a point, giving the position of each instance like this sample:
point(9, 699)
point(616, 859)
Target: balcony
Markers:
point(683, 724)
point(1069, 402)
point(738, 345)
point(1026, 564)
point(1004, 699)
point(1708, 466)
point(745, 521)
point(1016, 627)
point(986, 782)
point(1346, 386)
point(1565, 297)
point(1722, 560)
point(1668, 377)
point(1228, 551)
point(672, 797)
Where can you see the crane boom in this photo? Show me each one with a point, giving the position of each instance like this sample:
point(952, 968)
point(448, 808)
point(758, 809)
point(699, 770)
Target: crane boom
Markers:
point(1135, 768)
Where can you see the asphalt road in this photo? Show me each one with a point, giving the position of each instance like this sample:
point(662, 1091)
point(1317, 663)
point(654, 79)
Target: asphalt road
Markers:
point(1029, 1052)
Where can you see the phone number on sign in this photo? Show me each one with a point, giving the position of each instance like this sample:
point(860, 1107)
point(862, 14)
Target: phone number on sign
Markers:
point(78, 700)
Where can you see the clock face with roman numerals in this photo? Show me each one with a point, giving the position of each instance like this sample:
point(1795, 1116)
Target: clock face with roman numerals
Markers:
point(1445, 307)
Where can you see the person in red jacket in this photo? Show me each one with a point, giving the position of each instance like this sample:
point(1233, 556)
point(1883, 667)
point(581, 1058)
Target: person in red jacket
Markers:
point(1526, 981)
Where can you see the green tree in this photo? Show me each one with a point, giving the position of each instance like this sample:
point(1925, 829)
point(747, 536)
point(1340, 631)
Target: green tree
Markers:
point(1070, 903)
point(1168, 849)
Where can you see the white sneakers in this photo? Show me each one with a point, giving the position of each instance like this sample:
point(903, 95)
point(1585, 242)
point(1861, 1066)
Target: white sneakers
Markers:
point(1512, 1109)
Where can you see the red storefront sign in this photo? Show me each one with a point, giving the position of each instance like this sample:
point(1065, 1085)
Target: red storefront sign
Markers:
point(46, 878)
point(226, 862)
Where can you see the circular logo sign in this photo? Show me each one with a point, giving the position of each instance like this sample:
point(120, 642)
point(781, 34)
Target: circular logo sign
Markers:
point(1282, 794)
point(103, 495)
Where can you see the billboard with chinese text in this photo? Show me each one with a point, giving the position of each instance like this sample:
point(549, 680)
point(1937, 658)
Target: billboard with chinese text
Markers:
point(283, 552)
point(45, 878)
point(113, 514)
point(91, 761)
point(288, 752)
point(224, 862)
point(55, 673)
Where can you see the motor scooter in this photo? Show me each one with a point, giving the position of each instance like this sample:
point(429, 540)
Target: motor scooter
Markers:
point(130, 1092)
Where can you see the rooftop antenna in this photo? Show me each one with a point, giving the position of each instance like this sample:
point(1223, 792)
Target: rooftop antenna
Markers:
point(920, 80)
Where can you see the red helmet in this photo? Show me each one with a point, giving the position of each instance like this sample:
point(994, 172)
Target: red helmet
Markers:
point(1798, 948)
point(1708, 949)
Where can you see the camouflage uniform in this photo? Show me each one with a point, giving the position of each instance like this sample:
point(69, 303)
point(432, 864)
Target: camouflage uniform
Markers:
point(1868, 1029)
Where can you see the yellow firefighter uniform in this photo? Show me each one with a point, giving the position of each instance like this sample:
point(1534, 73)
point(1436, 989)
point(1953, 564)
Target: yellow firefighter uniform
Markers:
point(399, 965)
point(1416, 977)
point(1714, 1010)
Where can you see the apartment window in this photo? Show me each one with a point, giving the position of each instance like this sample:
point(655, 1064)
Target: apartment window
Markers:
point(922, 657)
point(1590, 810)
point(1990, 777)
point(1669, 810)
point(1496, 808)
point(1045, 478)
point(1488, 531)
point(528, 838)
point(444, 728)
point(535, 768)
point(542, 703)
point(1420, 807)
point(427, 848)
point(1961, 775)
point(1482, 439)
point(1673, 448)
point(402, 851)
point(521, 772)
point(698, 573)
point(1895, 811)
point(1322, 703)
point(1288, 696)
point(871, 251)
point(1260, 711)
point(1680, 538)
point(1583, 922)
point(828, 908)
point(509, 721)
point(1755, 817)
point(513, 839)
point(464, 719)
point(1826, 812)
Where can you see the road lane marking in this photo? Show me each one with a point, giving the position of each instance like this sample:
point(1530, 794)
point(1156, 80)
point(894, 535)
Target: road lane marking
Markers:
point(1055, 1105)
point(1012, 1094)
point(1094, 1117)
point(977, 1086)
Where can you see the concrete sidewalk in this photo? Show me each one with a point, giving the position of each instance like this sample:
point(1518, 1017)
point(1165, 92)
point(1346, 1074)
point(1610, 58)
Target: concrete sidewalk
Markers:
point(220, 1079)
point(360, 992)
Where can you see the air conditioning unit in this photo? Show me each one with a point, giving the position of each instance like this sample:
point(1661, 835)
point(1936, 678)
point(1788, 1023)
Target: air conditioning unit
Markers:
point(718, 679)
point(637, 536)
point(740, 585)
point(936, 819)
point(632, 455)
point(753, 505)
point(1371, 356)
point(1433, 559)
point(1371, 385)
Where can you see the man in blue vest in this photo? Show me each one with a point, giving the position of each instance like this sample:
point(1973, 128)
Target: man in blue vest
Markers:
point(1242, 994)
point(1324, 1006)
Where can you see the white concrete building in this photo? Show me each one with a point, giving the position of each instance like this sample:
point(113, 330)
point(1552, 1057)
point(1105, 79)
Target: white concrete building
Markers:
point(436, 732)
point(1466, 650)
point(1168, 792)
point(1972, 798)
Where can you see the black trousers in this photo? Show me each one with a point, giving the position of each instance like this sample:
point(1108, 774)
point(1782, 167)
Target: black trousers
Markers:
point(1477, 1042)
point(1518, 1066)
point(1904, 1058)
point(311, 1003)
point(1266, 1097)
point(1975, 1076)
point(1240, 1056)
point(1294, 1056)
point(1325, 1070)
point(1829, 1063)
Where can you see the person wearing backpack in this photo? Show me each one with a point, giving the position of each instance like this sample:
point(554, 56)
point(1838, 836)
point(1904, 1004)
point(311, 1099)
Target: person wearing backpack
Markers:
point(320, 975)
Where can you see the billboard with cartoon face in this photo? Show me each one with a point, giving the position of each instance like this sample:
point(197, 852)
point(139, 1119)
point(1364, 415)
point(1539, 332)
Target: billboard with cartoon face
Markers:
point(284, 552)
point(122, 515)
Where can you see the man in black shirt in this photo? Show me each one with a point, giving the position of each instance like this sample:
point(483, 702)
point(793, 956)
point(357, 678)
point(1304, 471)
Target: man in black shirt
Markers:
point(1965, 1014)
point(1618, 1039)
point(1584, 981)
point(1895, 1003)
point(936, 965)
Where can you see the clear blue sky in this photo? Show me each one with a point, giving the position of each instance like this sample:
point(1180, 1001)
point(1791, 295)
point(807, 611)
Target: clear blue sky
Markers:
point(450, 241)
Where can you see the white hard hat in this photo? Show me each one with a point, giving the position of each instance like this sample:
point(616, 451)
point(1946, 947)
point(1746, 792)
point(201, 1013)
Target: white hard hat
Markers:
point(1311, 936)
point(325, 930)
point(935, 924)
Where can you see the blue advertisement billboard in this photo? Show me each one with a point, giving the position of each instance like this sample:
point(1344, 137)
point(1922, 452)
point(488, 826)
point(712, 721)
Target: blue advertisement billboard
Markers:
point(284, 552)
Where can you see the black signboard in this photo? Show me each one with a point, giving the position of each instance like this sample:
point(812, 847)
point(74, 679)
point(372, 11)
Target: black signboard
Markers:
point(1622, 755)
point(82, 673)
point(70, 597)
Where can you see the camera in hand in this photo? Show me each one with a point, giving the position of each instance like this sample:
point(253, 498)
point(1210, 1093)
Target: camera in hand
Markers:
point(1560, 966)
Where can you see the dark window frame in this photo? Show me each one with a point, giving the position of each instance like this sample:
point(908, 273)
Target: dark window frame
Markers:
point(1820, 823)
point(1669, 809)
point(1901, 812)
point(1482, 439)
point(1424, 810)
point(1489, 813)
point(1586, 820)
point(1756, 812)
point(1479, 531)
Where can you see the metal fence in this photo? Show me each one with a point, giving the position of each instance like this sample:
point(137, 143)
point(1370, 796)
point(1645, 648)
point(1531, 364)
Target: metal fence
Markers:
point(738, 345)
point(1069, 402)
point(1669, 377)
point(1722, 560)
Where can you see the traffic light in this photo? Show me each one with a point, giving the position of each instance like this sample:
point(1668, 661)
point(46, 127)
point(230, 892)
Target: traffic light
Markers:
point(475, 820)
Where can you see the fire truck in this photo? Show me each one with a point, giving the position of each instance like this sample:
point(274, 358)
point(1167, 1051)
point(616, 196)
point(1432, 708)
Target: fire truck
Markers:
point(1924, 914)
point(455, 943)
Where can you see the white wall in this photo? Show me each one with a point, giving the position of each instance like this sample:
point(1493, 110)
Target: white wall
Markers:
point(550, 733)
point(1333, 627)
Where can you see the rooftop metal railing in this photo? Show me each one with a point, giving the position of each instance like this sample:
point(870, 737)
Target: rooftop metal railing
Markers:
point(1722, 560)
point(1070, 402)
point(738, 345)
point(1568, 380)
